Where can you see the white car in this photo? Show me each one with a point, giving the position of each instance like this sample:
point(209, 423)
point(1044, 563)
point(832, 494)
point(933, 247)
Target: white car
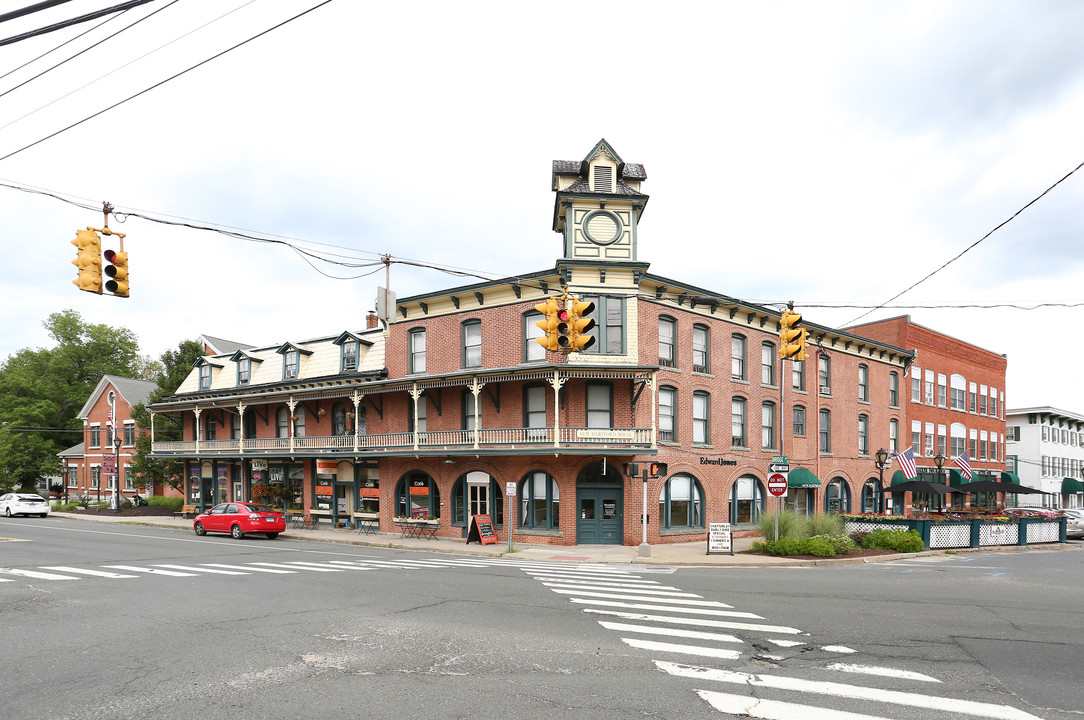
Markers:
point(23, 504)
point(1074, 523)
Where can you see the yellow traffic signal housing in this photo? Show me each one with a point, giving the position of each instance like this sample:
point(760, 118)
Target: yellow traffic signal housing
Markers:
point(88, 259)
point(580, 325)
point(792, 338)
point(117, 271)
point(548, 324)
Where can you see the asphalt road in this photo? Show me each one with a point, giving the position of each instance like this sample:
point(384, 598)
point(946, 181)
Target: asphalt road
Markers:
point(136, 622)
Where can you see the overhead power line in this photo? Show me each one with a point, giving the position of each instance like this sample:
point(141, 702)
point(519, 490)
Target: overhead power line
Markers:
point(29, 9)
point(163, 82)
point(969, 247)
point(74, 21)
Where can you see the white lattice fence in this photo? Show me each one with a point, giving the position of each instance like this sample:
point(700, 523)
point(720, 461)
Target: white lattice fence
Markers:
point(1043, 532)
point(853, 526)
point(950, 536)
point(999, 534)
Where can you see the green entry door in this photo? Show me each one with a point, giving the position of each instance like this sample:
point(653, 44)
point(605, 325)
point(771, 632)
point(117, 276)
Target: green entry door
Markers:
point(599, 516)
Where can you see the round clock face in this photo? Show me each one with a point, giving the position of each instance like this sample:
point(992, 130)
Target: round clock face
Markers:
point(602, 227)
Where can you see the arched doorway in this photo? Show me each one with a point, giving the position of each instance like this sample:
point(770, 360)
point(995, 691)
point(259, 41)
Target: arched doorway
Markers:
point(600, 501)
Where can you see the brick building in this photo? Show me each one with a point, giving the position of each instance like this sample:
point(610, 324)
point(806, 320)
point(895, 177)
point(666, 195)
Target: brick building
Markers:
point(433, 411)
point(955, 404)
point(85, 466)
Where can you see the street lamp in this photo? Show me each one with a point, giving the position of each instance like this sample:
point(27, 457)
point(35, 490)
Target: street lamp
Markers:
point(882, 460)
point(939, 461)
point(116, 471)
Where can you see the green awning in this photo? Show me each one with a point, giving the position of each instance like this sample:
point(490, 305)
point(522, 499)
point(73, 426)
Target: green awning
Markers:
point(898, 477)
point(1007, 476)
point(800, 477)
point(1070, 486)
point(956, 478)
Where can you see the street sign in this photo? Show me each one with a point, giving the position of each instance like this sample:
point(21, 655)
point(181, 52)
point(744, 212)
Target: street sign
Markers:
point(779, 467)
point(510, 489)
point(777, 484)
point(779, 458)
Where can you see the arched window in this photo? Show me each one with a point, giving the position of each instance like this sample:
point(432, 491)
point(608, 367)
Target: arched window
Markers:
point(477, 493)
point(667, 341)
point(282, 423)
point(837, 496)
point(746, 500)
point(212, 428)
point(539, 502)
point(681, 503)
point(417, 496)
point(338, 419)
point(871, 496)
point(667, 414)
point(299, 422)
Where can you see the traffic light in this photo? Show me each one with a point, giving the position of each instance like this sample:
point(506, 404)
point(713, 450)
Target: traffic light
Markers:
point(548, 324)
point(564, 326)
point(117, 270)
point(791, 337)
point(88, 259)
point(581, 324)
point(657, 469)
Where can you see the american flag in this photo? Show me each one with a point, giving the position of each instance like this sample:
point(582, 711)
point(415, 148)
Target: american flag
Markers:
point(907, 463)
point(110, 422)
point(965, 465)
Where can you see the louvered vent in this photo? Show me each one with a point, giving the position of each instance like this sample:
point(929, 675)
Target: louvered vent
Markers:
point(604, 181)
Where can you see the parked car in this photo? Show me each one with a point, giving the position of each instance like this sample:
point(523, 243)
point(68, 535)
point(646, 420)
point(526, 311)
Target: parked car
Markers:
point(23, 504)
point(239, 518)
point(1074, 522)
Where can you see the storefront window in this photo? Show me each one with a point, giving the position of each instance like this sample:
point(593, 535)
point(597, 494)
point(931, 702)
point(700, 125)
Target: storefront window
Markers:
point(540, 502)
point(417, 497)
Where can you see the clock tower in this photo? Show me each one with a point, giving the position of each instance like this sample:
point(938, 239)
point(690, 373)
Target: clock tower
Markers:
point(598, 205)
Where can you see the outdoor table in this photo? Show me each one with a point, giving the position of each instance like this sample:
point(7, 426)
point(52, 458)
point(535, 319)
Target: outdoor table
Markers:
point(368, 526)
point(418, 530)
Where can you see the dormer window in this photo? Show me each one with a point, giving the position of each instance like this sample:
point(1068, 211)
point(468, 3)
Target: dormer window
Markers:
point(291, 360)
point(244, 371)
point(205, 377)
point(604, 181)
point(350, 356)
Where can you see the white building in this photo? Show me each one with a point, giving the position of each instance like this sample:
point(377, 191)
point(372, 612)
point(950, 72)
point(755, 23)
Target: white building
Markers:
point(1047, 447)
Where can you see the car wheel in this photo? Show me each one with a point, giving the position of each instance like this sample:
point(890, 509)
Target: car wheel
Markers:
point(237, 532)
point(200, 530)
point(44, 515)
point(272, 536)
point(7, 511)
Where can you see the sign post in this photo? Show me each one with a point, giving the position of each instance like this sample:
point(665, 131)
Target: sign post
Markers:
point(510, 491)
point(777, 486)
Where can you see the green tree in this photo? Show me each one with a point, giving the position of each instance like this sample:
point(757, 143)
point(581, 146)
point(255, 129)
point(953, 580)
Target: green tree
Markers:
point(174, 367)
point(42, 390)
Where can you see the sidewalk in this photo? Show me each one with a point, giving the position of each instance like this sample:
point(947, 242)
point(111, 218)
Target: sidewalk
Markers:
point(685, 554)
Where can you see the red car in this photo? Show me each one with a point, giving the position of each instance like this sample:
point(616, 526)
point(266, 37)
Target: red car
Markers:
point(238, 519)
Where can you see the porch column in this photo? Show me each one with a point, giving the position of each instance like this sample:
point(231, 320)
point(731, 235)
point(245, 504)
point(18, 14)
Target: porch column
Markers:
point(292, 405)
point(415, 393)
point(357, 436)
point(476, 390)
point(198, 429)
point(241, 422)
point(557, 382)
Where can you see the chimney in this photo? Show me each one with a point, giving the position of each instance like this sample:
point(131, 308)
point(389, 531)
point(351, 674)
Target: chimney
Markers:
point(370, 320)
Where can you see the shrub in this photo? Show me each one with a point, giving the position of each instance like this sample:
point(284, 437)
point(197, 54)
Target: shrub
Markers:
point(820, 546)
point(898, 540)
point(174, 503)
point(790, 525)
point(826, 524)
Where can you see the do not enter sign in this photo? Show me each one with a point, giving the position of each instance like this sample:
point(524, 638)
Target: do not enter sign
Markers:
point(777, 484)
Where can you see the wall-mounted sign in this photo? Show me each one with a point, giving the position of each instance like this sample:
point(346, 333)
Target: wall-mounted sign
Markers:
point(328, 467)
point(259, 464)
point(717, 461)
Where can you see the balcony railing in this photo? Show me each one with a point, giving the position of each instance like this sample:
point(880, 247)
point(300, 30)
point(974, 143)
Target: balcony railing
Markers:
point(544, 438)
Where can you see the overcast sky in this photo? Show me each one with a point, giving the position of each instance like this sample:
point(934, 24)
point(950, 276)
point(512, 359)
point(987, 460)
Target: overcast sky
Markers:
point(850, 148)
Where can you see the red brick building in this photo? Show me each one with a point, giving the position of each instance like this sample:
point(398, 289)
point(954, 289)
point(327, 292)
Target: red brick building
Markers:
point(109, 434)
point(434, 411)
point(955, 405)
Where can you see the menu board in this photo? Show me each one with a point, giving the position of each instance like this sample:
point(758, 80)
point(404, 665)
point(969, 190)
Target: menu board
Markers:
point(481, 530)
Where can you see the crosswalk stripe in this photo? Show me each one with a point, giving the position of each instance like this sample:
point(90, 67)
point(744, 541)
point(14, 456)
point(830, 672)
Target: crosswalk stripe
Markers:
point(695, 621)
point(36, 574)
point(881, 671)
point(608, 584)
point(152, 571)
point(669, 632)
point(851, 692)
point(668, 608)
point(666, 593)
point(746, 706)
point(216, 571)
point(553, 575)
point(720, 653)
point(385, 563)
point(643, 598)
point(317, 565)
point(249, 568)
point(86, 571)
point(293, 567)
